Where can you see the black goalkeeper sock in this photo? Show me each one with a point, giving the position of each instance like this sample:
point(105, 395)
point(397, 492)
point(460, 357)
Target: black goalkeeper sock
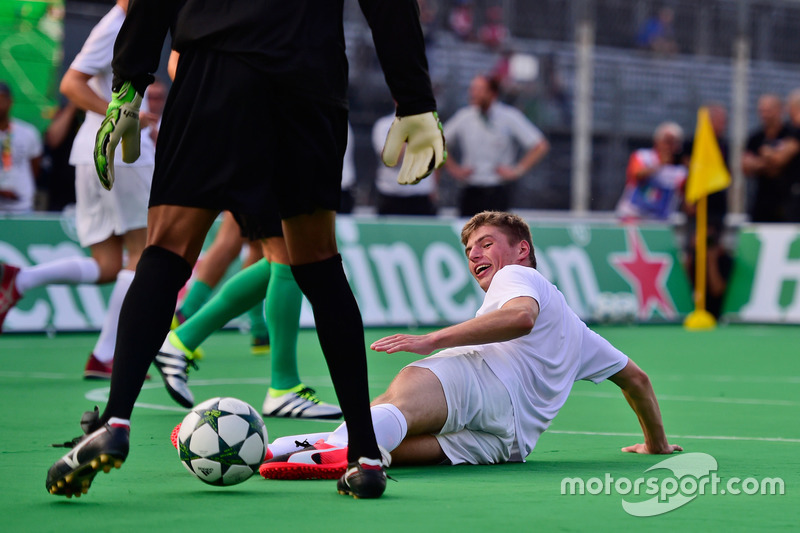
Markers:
point(144, 321)
point(341, 335)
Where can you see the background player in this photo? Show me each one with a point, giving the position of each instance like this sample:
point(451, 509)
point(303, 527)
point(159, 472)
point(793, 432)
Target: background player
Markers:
point(112, 224)
point(286, 100)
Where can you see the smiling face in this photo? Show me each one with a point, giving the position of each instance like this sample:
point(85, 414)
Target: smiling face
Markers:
point(489, 249)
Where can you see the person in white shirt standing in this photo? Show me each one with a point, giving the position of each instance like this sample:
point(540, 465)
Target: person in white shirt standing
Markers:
point(486, 132)
point(21, 151)
point(500, 380)
point(394, 198)
point(109, 223)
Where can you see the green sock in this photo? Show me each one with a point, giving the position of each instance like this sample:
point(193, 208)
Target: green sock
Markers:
point(198, 294)
point(283, 320)
point(258, 323)
point(241, 292)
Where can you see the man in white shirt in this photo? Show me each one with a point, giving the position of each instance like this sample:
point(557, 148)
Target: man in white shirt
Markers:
point(486, 132)
point(394, 198)
point(109, 223)
point(500, 380)
point(20, 154)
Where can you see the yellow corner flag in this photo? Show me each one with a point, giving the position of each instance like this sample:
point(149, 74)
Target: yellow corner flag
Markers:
point(707, 170)
point(707, 174)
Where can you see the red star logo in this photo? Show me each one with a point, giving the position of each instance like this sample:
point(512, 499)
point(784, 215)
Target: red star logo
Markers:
point(647, 274)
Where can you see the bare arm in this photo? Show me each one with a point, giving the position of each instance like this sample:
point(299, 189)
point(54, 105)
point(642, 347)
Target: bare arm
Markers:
point(172, 65)
point(458, 171)
point(531, 158)
point(61, 126)
point(515, 319)
point(775, 159)
point(75, 86)
point(752, 164)
point(638, 391)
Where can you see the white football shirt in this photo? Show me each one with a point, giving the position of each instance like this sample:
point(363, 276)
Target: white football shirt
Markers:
point(94, 59)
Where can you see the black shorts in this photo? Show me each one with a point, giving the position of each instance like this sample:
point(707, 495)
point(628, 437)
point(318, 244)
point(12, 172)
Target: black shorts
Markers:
point(257, 227)
point(233, 137)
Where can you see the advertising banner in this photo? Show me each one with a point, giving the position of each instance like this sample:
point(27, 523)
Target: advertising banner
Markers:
point(406, 272)
point(31, 34)
point(765, 282)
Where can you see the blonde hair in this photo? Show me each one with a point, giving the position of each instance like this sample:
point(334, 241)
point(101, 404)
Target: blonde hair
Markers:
point(513, 226)
point(667, 128)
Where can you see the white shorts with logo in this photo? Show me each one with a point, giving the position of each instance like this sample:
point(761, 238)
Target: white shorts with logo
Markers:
point(101, 213)
point(481, 430)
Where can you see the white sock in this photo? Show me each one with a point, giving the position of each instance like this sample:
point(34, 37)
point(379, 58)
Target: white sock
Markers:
point(390, 427)
point(72, 270)
point(114, 421)
point(104, 349)
point(295, 443)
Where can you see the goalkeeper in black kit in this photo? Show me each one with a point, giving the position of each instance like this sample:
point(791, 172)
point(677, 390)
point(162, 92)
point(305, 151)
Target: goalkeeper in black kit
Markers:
point(258, 109)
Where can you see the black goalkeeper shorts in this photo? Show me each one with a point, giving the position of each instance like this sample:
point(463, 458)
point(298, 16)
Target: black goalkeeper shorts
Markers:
point(233, 137)
point(261, 226)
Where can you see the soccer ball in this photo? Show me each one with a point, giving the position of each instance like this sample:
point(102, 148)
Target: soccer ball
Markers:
point(222, 441)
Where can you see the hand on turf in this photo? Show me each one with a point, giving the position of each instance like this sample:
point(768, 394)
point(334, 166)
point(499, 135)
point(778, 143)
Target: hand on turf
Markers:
point(121, 124)
point(425, 151)
point(642, 448)
point(419, 344)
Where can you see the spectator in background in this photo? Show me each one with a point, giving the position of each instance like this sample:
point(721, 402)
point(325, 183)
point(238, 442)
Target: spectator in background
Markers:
point(718, 259)
point(156, 96)
point(786, 156)
point(658, 33)
point(393, 198)
point(486, 132)
point(112, 224)
point(428, 19)
point(20, 158)
point(493, 33)
point(759, 162)
point(718, 201)
point(462, 20)
point(57, 175)
point(654, 177)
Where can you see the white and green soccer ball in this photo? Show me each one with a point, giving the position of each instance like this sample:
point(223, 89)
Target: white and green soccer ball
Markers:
point(222, 441)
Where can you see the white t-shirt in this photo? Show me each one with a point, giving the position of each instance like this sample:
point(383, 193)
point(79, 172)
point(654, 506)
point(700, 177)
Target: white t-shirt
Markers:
point(94, 59)
point(386, 177)
point(538, 369)
point(24, 143)
point(487, 141)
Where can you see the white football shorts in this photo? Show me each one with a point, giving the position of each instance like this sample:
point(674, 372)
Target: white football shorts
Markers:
point(481, 429)
point(101, 213)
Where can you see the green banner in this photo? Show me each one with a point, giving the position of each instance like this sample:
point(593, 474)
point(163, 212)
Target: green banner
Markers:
point(416, 273)
point(765, 282)
point(407, 272)
point(30, 241)
point(31, 33)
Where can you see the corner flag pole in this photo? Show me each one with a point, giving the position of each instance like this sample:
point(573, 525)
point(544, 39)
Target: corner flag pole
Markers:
point(700, 318)
point(707, 174)
point(701, 231)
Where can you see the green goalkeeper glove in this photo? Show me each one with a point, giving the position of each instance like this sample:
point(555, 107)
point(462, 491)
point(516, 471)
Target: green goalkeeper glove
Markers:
point(425, 151)
point(121, 124)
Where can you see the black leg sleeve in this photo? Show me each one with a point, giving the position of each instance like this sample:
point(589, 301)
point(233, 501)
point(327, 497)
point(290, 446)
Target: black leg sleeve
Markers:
point(144, 321)
point(341, 335)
